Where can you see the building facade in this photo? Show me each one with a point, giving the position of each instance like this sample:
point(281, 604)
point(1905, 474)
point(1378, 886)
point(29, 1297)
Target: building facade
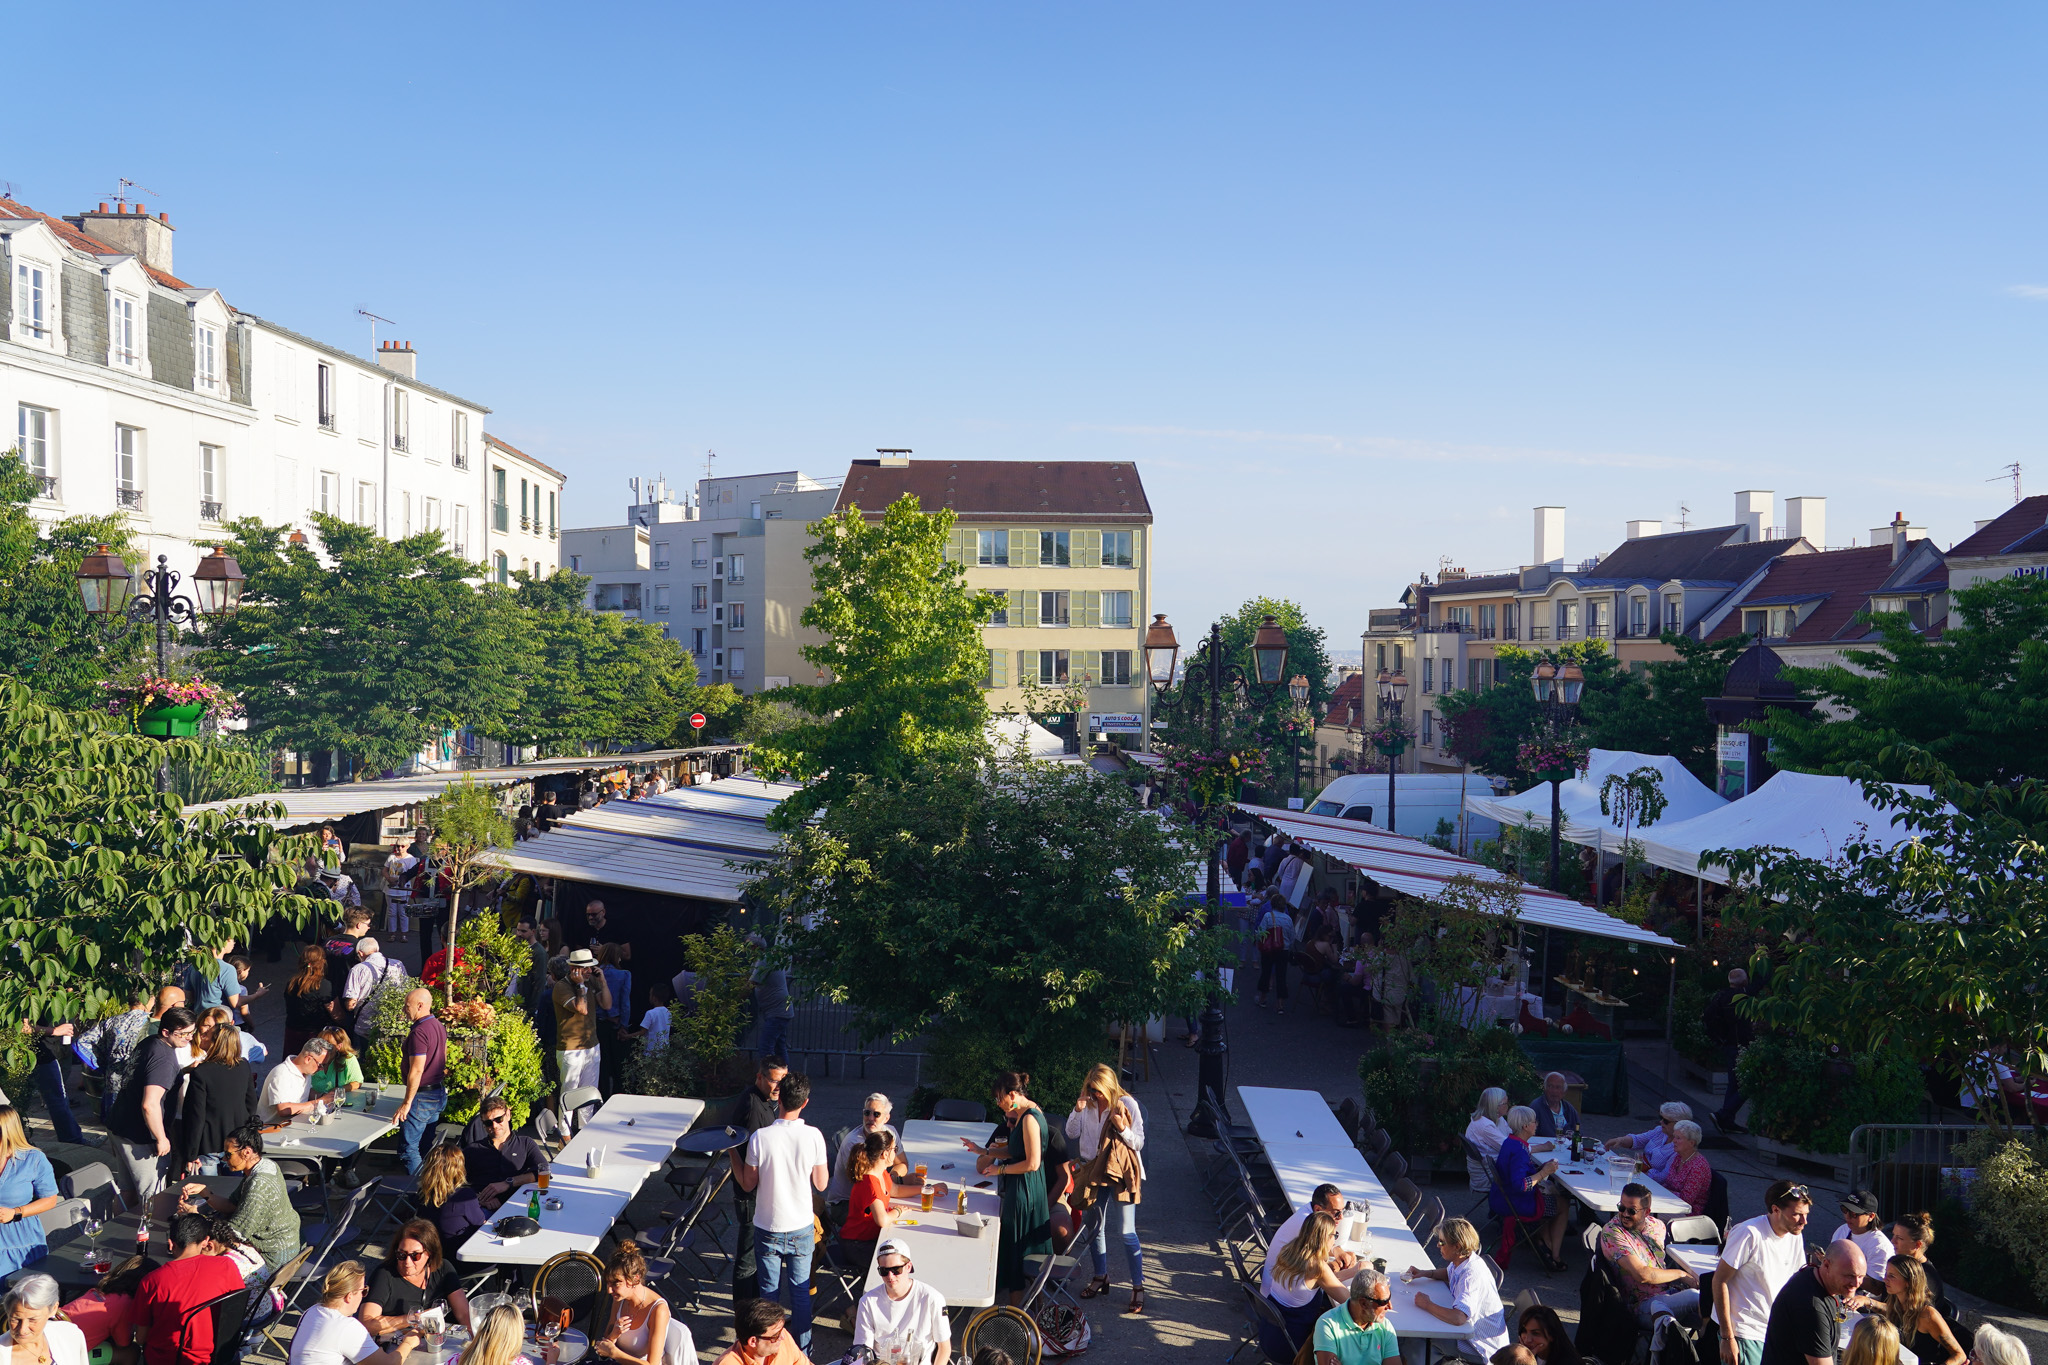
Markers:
point(523, 528)
point(2013, 544)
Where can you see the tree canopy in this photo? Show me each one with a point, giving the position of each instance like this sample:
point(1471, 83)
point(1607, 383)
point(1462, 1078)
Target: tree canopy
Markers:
point(902, 656)
point(47, 639)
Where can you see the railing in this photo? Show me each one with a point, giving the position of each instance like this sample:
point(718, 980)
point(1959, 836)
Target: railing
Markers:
point(1566, 632)
point(459, 459)
point(209, 509)
point(46, 485)
point(699, 563)
point(1597, 631)
point(1510, 632)
point(1537, 633)
point(1484, 632)
point(461, 551)
point(823, 1029)
point(660, 563)
point(398, 442)
point(1907, 1165)
point(553, 533)
point(128, 497)
point(525, 522)
point(329, 422)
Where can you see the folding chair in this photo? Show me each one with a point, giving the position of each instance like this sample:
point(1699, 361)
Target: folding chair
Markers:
point(1395, 1167)
point(1261, 1313)
point(1510, 1222)
point(576, 1100)
point(547, 1129)
point(1406, 1196)
point(960, 1111)
point(1695, 1228)
point(93, 1182)
point(1377, 1146)
point(226, 1313)
point(1526, 1300)
point(1063, 1263)
point(1427, 1218)
point(1485, 1162)
point(831, 1264)
point(1347, 1117)
point(1243, 1233)
point(256, 1318)
point(1493, 1268)
point(667, 1247)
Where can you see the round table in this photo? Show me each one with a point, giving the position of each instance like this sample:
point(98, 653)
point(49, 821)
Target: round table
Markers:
point(711, 1141)
point(575, 1345)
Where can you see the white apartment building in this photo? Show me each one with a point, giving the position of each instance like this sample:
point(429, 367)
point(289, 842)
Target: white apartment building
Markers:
point(525, 512)
point(130, 390)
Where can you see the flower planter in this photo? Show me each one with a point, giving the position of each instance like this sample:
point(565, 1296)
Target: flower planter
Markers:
point(170, 722)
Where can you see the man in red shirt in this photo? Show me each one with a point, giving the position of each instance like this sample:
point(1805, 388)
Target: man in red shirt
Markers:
point(172, 1332)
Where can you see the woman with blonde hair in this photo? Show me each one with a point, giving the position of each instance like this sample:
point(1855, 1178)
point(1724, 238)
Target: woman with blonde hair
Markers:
point(1873, 1342)
point(1302, 1280)
point(1487, 1130)
point(1909, 1306)
point(1104, 1112)
point(1475, 1299)
point(498, 1339)
point(343, 1070)
point(28, 1186)
point(329, 1334)
point(447, 1196)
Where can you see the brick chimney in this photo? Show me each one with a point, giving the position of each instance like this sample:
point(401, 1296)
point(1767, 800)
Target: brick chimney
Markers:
point(129, 228)
point(398, 357)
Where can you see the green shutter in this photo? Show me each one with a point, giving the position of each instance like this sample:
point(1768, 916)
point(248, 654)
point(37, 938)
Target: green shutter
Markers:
point(965, 548)
point(999, 668)
point(1023, 549)
point(1137, 546)
point(1087, 549)
point(1026, 613)
point(1027, 666)
point(1016, 596)
point(1086, 664)
point(1087, 608)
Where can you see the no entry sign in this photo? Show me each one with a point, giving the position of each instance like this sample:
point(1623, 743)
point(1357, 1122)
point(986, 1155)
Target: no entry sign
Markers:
point(696, 720)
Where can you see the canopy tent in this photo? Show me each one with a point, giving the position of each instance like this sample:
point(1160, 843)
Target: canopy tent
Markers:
point(1811, 815)
point(1414, 868)
point(1004, 732)
point(1685, 797)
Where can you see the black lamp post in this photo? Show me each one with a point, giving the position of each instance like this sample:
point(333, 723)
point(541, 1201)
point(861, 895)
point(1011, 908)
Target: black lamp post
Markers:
point(1297, 688)
point(1393, 700)
point(1557, 691)
point(1207, 677)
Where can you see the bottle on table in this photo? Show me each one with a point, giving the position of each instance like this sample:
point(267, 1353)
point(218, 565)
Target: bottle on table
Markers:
point(533, 1206)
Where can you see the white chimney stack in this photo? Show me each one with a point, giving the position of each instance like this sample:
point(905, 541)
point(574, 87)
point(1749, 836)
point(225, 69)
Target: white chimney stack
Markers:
point(1753, 512)
point(1550, 536)
point(1638, 529)
point(1808, 517)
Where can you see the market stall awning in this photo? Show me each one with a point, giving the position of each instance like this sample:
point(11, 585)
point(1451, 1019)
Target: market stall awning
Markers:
point(1414, 868)
point(1812, 815)
point(1685, 796)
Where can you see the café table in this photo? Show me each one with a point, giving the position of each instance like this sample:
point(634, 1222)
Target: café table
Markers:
point(634, 1130)
point(589, 1208)
point(959, 1266)
point(1591, 1184)
point(574, 1344)
point(342, 1134)
point(1698, 1257)
point(1291, 1116)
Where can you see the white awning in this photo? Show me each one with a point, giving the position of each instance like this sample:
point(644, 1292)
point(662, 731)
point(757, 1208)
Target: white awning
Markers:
point(1812, 815)
point(1414, 868)
point(1685, 797)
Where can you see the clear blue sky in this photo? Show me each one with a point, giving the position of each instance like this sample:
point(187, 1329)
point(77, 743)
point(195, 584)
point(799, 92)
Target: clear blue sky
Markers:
point(1355, 286)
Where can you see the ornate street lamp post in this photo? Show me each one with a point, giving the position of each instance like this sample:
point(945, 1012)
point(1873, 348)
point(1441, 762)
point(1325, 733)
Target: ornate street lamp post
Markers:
point(1207, 678)
point(1557, 691)
point(1392, 743)
point(1297, 688)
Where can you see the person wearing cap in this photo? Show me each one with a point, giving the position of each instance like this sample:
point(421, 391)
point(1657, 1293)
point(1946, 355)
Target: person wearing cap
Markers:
point(341, 887)
point(900, 1309)
point(1861, 1225)
point(371, 971)
point(578, 1001)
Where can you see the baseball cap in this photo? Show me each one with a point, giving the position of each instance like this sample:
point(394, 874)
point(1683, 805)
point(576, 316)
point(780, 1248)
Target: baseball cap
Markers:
point(1860, 1202)
point(893, 1244)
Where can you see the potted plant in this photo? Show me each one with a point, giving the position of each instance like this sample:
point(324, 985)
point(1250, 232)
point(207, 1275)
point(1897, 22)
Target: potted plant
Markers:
point(1552, 754)
point(169, 708)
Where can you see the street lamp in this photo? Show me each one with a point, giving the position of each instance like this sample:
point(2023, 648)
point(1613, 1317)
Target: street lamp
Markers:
point(108, 589)
point(1207, 678)
point(1557, 691)
point(1297, 688)
point(1393, 698)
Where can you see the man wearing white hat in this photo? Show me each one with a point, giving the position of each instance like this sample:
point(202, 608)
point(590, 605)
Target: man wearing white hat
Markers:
point(900, 1309)
point(578, 1002)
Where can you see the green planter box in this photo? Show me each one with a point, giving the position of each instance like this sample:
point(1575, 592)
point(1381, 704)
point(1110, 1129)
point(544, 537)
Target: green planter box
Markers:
point(1602, 1063)
point(170, 722)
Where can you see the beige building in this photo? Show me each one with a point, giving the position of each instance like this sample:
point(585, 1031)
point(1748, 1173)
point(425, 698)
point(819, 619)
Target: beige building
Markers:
point(1068, 544)
point(524, 528)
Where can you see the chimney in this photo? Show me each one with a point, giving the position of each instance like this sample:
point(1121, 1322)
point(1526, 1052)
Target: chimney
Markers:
point(1550, 536)
point(132, 233)
point(1886, 535)
point(1753, 512)
point(1638, 529)
point(1808, 517)
point(1898, 530)
point(398, 357)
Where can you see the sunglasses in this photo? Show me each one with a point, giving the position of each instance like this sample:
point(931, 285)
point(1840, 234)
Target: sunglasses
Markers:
point(871, 1113)
point(1795, 1194)
point(495, 1119)
point(1380, 1304)
point(893, 1270)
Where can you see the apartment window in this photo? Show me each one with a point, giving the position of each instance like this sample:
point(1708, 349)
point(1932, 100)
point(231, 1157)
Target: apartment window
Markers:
point(735, 662)
point(700, 551)
point(660, 560)
point(405, 519)
point(1489, 621)
point(1674, 611)
point(1116, 608)
point(735, 616)
point(1568, 620)
point(754, 509)
point(205, 358)
point(329, 499)
point(1510, 620)
point(1397, 659)
point(1052, 666)
point(128, 467)
point(999, 614)
point(458, 439)
point(1428, 718)
point(700, 597)
point(366, 503)
point(430, 514)
point(121, 333)
point(1382, 655)
point(323, 379)
point(32, 434)
point(992, 548)
point(525, 516)
point(1639, 616)
point(32, 300)
point(661, 597)
point(1116, 668)
point(718, 660)
point(551, 514)
point(212, 476)
point(1479, 674)
point(1053, 607)
point(718, 613)
point(501, 514)
point(1597, 622)
point(698, 638)
point(1053, 550)
point(1116, 549)
point(1428, 676)
point(735, 568)
point(401, 422)
point(461, 537)
point(575, 563)
point(503, 568)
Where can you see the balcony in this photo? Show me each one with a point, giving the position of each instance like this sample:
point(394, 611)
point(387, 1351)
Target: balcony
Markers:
point(1510, 632)
point(398, 442)
point(525, 522)
point(46, 486)
point(1568, 631)
point(699, 563)
point(661, 563)
point(1484, 632)
point(553, 534)
point(459, 550)
point(329, 422)
point(209, 509)
point(1598, 631)
point(1537, 633)
point(129, 497)
point(459, 459)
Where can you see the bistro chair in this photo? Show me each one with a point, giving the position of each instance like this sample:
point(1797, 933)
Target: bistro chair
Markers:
point(577, 1279)
point(1377, 1146)
point(1010, 1329)
point(960, 1111)
point(1348, 1118)
point(582, 1097)
point(1427, 1218)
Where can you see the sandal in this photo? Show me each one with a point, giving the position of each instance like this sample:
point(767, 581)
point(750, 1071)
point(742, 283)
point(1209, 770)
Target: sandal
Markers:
point(1097, 1286)
point(1137, 1304)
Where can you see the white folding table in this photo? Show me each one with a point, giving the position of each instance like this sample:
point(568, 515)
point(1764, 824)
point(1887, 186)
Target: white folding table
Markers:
point(344, 1134)
point(1592, 1186)
point(635, 1131)
point(1291, 1116)
point(960, 1267)
point(589, 1208)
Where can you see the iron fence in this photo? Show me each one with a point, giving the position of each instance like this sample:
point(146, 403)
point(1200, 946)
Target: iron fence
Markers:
point(1907, 1165)
point(821, 1028)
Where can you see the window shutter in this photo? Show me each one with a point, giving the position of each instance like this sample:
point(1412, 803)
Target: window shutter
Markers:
point(953, 548)
point(1087, 549)
point(1026, 613)
point(1088, 608)
point(1023, 549)
point(1137, 546)
point(1087, 665)
point(999, 667)
point(1027, 666)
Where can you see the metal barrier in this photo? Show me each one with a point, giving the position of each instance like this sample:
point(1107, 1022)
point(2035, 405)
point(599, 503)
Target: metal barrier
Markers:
point(1904, 1164)
point(821, 1028)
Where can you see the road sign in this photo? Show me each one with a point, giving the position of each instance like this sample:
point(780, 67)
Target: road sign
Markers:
point(696, 720)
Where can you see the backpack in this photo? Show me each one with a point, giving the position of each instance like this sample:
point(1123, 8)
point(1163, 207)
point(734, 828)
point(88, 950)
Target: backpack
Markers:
point(1681, 1346)
point(366, 1014)
point(1607, 1323)
point(1274, 940)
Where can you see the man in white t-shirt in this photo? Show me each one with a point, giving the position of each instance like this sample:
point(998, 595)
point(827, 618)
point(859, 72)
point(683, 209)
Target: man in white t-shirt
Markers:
point(1860, 1224)
point(901, 1310)
point(785, 1162)
point(288, 1089)
point(1760, 1256)
point(874, 1118)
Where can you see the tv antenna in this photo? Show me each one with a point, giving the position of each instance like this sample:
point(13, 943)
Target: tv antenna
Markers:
point(1683, 513)
point(123, 198)
point(2011, 471)
point(374, 320)
point(9, 190)
point(709, 456)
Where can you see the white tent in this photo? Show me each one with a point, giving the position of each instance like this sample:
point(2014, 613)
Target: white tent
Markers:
point(1004, 731)
point(1685, 797)
point(1811, 815)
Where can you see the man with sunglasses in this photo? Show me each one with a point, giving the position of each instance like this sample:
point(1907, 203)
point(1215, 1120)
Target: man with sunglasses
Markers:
point(1356, 1331)
point(903, 1311)
point(1633, 1243)
point(502, 1160)
point(762, 1327)
point(1760, 1256)
point(140, 1119)
point(874, 1118)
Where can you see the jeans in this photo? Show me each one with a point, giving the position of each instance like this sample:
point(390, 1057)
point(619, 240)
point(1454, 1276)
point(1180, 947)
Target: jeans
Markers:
point(1273, 965)
point(50, 1081)
point(1125, 1216)
point(1683, 1305)
point(1732, 1104)
point(775, 1039)
point(786, 1257)
point(417, 1131)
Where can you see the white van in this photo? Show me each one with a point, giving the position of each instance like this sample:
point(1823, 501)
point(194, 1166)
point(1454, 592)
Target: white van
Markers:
point(1420, 800)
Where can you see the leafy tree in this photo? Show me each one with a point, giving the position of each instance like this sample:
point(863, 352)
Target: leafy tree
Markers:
point(1014, 911)
point(373, 647)
point(596, 677)
point(47, 639)
point(1664, 710)
point(1638, 798)
point(468, 824)
point(1976, 699)
point(1491, 724)
point(902, 653)
point(1262, 724)
point(102, 878)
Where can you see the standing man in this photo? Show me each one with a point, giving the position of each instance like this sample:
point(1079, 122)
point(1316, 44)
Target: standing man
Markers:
point(215, 984)
point(785, 1163)
point(1761, 1255)
point(754, 1110)
point(426, 1072)
point(52, 1042)
point(578, 1002)
point(771, 1006)
point(359, 995)
point(1727, 1028)
point(595, 916)
point(110, 1044)
point(140, 1121)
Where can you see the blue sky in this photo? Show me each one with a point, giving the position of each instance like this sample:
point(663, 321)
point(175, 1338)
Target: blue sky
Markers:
point(1355, 286)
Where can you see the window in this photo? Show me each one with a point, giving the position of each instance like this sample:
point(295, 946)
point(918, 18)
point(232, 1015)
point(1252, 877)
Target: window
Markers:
point(212, 473)
point(700, 597)
point(401, 422)
point(1479, 674)
point(754, 509)
point(661, 597)
point(735, 616)
point(575, 563)
point(736, 662)
point(501, 515)
point(997, 674)
point(1053, 607)
point(698, 637)
point(205, 358)
point(121, 338)
point(1489, 621)
point(32, 300)
point(1116, 549)
point(1428, 717)
point(1510, 620)
point(430, 514)
point(718, 613)
point(1674, 611)
point(128, 466)
point(366, 504)
point(461, 537)
point(660, 560)
point(329, 498)
point(992, 548)
point(1382, 655)
point(1397, 658)
point(1053, 549)
point(503, 568)
point(1428, 676)
point(1568, 620)
point(1116, 668)
point(1116, 608)
point(700, 551)
point(1052, 666)
point(458, 439)
point(1000, 615)
point(525, 515)
point(735, 568)
point(323, 380)
point(551, 514)
point(32, 433)
point(1639, 616)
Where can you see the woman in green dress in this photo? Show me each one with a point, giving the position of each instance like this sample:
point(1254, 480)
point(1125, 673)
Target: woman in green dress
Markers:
point(1017, 1155)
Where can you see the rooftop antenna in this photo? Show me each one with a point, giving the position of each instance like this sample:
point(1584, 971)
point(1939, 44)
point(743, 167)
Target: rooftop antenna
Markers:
point(123, 198)
point(709, 456)
point(1683, 513)
point(9, 190)
point(2012, 471)
point(374, 320)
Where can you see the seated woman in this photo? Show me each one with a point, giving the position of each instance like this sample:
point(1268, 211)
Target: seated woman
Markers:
point(1910, 1308)
point(344, 1070)
point(36, 1331)
point(1487, 1131)
point(106, 1312)
point(330, 1333)
point(1302, 1280)
point(1543, 1333)
point(446, 1196)
point(261, 1207)
point(1689, 1176)
point(867, 1209)
point(638, 1328)
point(413, 1279)
point(1524, 1189)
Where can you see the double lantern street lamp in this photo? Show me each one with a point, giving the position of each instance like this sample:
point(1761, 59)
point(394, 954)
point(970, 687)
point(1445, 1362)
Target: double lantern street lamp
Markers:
point(1297, 688)
point(1209, 674)
point(1557, 691)
point(108, 589)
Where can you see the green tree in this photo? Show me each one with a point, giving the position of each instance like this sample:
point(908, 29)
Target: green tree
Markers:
point(371, 647)
point(1976, 699)
point(468, 824)
point(1663, 710)
point(102, 878)
point(902, 655)
point(1013, 911)
point(1489, 725)
point(46, 637)
point(596, 677)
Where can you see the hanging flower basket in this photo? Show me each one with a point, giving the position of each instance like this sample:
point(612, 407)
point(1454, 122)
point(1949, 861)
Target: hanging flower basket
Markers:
point(169, 708)
point(170, 722)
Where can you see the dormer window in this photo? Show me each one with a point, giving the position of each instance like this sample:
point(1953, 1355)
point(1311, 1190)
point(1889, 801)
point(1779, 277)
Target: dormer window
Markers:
point(35, 305)
point(206, 358)
point(124, 340)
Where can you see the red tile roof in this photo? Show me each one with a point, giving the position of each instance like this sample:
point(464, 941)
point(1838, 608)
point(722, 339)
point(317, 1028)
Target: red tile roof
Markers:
point(1347, 703)
point(1003, 490)
point(2019, 523)
point(1845, 578)
point(83, 241)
